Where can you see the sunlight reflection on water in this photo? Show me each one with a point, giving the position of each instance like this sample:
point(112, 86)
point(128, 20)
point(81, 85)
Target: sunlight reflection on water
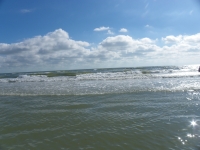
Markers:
point(165, 120)
point(193, 123)
point(190, 135)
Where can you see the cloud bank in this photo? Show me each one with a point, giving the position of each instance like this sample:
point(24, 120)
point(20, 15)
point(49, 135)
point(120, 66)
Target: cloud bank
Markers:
point(56, 50)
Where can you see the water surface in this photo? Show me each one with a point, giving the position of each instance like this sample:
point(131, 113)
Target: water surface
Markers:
point(156, 109)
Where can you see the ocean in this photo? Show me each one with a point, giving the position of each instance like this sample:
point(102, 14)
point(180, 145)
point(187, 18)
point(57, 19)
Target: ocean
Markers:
point(136, 108)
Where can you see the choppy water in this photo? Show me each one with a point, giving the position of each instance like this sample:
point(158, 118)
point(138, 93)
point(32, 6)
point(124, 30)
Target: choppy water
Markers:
point(135, 108)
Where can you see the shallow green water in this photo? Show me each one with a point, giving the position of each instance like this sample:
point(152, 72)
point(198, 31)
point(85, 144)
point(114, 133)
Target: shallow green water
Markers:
point(139, 121)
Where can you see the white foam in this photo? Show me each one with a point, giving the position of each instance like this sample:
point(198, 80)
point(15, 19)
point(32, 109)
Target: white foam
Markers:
point(140, 73)
point(29, 78)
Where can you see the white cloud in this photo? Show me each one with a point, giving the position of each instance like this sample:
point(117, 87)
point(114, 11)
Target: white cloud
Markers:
point(102, 28)
point(110, 32)
point(52, 47)
point(26, 10)
point(186, 46)
point(148, 26)
point(180, 39)
point(172, 39)
point(123, 30)
point(124, 44)
point(57, 49)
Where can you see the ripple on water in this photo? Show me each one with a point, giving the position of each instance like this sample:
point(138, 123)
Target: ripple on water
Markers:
point(112, 121)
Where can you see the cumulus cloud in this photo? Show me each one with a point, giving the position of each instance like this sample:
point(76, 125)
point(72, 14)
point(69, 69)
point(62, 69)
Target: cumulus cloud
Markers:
point(125, 46)
point(172, 39)
point(187, 39)
point(44, 49)
point(59, 50)
point(123, 30)
point(102, 28)
point(183, 43)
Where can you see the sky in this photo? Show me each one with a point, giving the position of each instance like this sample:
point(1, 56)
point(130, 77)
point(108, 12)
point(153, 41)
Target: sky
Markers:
point(42, 35)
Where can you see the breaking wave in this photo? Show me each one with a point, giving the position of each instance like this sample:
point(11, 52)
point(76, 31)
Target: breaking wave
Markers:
point(103, 74)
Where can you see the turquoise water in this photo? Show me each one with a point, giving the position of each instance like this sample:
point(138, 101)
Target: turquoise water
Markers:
point(107, 110)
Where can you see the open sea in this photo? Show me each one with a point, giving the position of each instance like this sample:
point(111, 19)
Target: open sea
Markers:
point(142, 108)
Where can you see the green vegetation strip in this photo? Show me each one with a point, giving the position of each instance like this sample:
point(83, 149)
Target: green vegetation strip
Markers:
point(146, 72)
point(56, 74)
point(60, 74)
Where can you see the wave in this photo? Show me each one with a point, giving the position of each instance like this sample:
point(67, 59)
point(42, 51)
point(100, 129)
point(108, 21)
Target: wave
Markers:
point(99, 76)
point(128, 91)
point(104, 74)
point(94, 87)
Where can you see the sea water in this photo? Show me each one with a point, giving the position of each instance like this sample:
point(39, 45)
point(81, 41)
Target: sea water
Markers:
point(112, 108)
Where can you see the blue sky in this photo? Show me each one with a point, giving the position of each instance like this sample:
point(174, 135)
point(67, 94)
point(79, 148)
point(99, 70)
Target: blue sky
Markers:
point(77, 34)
